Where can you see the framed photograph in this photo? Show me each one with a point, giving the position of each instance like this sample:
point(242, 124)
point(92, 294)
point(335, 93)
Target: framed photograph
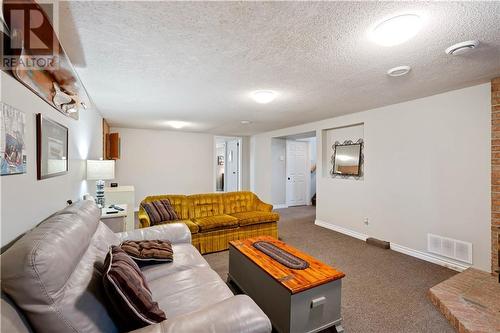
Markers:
point(12, 141)
point(52, 148)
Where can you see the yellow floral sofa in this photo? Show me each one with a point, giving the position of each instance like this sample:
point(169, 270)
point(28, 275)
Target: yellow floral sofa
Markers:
point(214, 219)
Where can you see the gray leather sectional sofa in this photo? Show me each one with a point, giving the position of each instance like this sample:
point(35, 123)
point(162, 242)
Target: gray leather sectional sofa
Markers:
point(51, 281)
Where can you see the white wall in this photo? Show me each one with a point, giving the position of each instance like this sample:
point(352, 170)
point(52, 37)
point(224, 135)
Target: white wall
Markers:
point(165, 162)
point(169, 162)
point(312, 157)
point(278, 170)
point(25, 201)
point(245, 163)
point(427, 171)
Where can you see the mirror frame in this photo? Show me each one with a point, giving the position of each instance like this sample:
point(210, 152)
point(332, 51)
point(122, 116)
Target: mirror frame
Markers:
point(359, 159)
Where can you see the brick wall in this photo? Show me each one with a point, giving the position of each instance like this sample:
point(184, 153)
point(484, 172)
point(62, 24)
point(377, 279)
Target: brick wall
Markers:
point(495, 171)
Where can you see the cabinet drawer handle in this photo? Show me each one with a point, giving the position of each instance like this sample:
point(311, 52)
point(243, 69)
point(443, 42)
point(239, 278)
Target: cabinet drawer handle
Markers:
point(318, 301)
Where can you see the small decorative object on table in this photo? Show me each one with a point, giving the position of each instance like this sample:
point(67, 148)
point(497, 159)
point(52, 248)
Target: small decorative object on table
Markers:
point(280, 255)
point(100, 170)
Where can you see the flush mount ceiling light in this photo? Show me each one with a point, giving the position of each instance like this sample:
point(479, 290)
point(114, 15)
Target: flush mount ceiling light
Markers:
point(264, 96)
point(176, 124)
point(245, 122)
point(463, 47)
point(396, 30)
point(399, 71)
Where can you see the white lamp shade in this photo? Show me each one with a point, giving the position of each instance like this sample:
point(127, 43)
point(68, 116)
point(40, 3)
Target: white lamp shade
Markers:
point(100, 169)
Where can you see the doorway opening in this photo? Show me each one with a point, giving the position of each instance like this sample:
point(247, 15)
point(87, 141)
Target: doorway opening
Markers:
point(227, 164)
point(294, 170)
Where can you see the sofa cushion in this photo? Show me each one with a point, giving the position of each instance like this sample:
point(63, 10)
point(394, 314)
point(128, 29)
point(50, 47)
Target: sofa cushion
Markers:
point(238, 202)
point(193, 227)
point(204, 205)
point(159, 211)
point(54, 272)
point(148, 251)
point(186, 257)
point(256, 217)
point(210, 223)
point(166, 210)
point(189, 290)
point(180, 203)
point(128, 291)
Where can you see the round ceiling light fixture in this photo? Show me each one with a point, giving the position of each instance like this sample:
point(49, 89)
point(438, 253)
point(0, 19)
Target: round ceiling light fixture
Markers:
point(396, 30)
point(176, 124)
point(264, 96)
point(399, 71)
point(245, 122)
point(463, 47)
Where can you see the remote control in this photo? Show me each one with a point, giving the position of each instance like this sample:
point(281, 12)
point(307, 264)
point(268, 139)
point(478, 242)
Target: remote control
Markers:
point(117, 208)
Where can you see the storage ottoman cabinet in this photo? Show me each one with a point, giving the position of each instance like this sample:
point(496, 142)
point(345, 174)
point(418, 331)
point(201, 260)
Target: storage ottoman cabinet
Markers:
point(215, 219)
point(295, 300)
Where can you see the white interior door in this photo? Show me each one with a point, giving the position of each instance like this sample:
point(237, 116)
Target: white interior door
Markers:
point(232, 166)
point(296, 173)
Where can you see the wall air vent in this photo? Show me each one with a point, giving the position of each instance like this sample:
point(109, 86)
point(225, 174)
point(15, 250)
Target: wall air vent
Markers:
point(451, 248)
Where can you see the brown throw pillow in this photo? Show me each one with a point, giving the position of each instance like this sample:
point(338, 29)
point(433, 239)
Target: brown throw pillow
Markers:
point(149, 250)
point(160, 211)
point(128, 291)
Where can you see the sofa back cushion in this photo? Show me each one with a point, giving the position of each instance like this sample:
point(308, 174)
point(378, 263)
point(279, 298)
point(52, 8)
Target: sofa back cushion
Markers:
point(179, 203)
point(238, 202)
point(204, 205)
point(54, 272)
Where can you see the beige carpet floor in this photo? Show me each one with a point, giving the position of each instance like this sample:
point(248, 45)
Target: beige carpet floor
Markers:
point(383, 291)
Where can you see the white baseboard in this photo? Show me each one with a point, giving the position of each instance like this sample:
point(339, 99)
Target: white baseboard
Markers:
point(342, 230)
point(280, 206)
point(451, 264)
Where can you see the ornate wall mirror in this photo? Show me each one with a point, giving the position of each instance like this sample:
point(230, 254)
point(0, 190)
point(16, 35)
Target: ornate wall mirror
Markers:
point(347, 159)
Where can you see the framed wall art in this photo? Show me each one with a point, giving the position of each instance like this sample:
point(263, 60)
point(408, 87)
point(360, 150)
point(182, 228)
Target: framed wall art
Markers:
point(52, 148)
point(12, 140)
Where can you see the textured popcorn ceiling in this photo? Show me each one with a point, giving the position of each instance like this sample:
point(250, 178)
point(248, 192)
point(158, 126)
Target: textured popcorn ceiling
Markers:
point(144, 63)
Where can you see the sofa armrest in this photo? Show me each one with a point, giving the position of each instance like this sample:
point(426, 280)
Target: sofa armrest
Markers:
point(143, 218)
point(235, 314)
point(263, 207)
point(174, 232)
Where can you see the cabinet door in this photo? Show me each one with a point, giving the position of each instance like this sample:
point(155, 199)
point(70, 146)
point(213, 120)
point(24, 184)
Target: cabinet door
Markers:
point(113, 146)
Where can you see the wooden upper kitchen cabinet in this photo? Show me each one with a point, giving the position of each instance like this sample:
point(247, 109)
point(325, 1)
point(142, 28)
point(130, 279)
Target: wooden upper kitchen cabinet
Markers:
point(111, 142)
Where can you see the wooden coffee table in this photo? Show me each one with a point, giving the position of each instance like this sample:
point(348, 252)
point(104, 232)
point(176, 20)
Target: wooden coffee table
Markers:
point(305, 300)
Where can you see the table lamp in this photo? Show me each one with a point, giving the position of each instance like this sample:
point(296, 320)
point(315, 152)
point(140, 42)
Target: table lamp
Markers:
point(100, 170)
